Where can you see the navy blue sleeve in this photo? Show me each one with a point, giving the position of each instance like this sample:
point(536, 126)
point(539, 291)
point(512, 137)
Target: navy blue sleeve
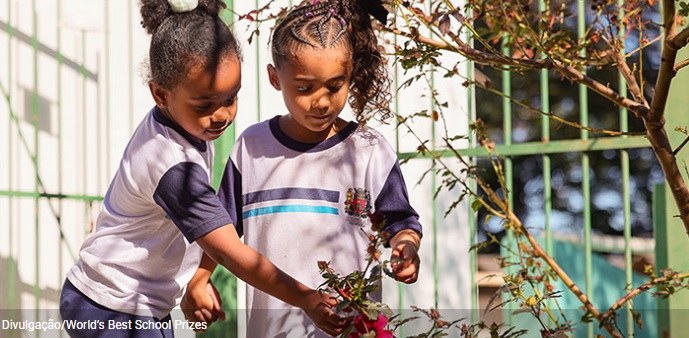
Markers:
point(189, 200)
point(393, 202)
point(230, 194)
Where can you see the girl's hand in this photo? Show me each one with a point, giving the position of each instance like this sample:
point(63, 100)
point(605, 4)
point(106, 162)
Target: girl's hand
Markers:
point(405, 259)
point(223, 246)
point(202, 304)
point(319, 307)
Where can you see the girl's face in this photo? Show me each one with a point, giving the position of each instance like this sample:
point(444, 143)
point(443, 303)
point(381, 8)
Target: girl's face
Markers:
point(314, 85)
point(205, 103)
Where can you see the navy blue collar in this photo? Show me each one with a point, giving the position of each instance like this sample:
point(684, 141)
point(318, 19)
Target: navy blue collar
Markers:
point(158, 115)
point(310, 147)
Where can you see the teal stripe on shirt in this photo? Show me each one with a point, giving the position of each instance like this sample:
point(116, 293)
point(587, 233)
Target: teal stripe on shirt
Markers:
point(289, 208)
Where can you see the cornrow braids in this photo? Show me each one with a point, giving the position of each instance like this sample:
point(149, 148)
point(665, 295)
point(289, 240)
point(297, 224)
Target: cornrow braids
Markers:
point(337, 23)
point(318, 26)
point(184, 41)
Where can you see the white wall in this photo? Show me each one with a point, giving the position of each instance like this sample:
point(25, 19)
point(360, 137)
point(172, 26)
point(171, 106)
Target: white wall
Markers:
point(93, 115)
point(91, 112)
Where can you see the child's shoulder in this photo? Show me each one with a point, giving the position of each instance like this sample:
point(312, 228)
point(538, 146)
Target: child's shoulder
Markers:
point(370, 135)
point(256, 130)
point(367, 141)
point(155, 144)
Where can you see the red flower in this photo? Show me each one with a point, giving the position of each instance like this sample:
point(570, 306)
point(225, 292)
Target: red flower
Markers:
point(364, 325)
point(377, 220)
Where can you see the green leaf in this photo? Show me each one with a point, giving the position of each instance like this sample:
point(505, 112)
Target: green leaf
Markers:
point(476, 205)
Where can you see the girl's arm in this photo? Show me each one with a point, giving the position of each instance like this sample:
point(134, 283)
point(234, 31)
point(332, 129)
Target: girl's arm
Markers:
point(201, 301)
point(225, 248)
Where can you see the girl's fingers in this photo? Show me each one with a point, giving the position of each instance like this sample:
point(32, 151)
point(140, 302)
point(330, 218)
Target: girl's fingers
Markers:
point(217, 304)
point(407, 271)
point(198, 316)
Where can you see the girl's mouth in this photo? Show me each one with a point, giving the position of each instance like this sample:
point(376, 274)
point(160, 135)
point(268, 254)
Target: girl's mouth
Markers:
point(320, 117)
point(216, 131)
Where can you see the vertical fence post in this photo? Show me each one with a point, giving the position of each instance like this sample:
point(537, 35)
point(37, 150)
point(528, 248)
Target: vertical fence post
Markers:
point(585, 168)
point(672, 249)
point(10, 279)
point(34, 119)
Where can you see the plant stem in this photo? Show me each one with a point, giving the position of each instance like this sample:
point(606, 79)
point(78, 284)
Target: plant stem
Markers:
point(641, 288)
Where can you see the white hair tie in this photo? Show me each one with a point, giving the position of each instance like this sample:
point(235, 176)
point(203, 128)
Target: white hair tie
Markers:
point(181, 6)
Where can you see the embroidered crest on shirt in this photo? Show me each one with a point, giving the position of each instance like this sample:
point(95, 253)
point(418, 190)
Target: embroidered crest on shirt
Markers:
point(358, 202)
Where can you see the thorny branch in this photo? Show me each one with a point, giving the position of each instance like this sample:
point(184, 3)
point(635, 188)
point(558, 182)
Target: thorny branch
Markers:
point(653, 115)
point(496, 61)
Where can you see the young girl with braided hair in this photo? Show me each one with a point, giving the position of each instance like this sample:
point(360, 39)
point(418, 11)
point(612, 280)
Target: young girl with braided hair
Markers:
point(305, 181)
point(160, 212)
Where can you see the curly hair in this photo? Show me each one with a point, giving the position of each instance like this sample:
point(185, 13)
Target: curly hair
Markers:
point(184, 41)
point(337, 23)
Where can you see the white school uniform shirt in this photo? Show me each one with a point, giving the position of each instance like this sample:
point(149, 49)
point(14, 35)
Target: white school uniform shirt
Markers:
point(303, 203)
point(142, 253)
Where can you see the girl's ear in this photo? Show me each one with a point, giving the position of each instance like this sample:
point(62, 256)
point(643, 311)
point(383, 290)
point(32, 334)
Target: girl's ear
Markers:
point(273, 76)
point(159, 94)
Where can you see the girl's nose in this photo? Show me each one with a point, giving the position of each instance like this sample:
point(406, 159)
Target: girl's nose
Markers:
point(322, 101)
point(221, 114)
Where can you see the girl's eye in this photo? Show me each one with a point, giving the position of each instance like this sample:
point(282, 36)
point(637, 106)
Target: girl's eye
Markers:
point(334, 89)
point(230, 101)
point(303, 89)
point(203, 107)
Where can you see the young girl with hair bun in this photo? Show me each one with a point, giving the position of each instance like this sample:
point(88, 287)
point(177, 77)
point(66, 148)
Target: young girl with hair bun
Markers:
point(304, 182)
point(160, 212)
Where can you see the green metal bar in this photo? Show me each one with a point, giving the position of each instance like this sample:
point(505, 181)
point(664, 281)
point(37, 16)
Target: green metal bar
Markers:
point(400, 291)
point(226, 15)
point(588, 252)
point(34, 114)
point(60, 168)
point(31, 194)
point(400, 288)
point(663, 237)
point(585, 165)
point(434, 186)
point(545, 158)
point(628, 268)
point(223, 279)
point(473, 226)
point(540, 148)
point(507, 109)
point(626, 198)
point(223, 146)
point(10, 144)
point(545, 137)
point(507, 135)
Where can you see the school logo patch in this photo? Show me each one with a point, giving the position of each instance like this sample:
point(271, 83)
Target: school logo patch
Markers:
point(358, 202)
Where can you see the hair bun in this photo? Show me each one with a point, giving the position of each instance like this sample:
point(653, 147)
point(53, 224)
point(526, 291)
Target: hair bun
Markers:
point(181, 6)
point(154, 12)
